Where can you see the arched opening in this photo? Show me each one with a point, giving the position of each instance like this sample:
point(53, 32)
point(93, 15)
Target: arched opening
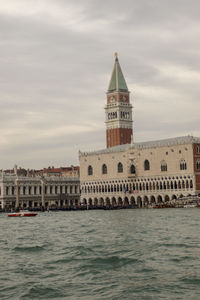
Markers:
point(160, 200)
point(167, 198)
point(126, 202)
point(183, 165)
point(95, 202)
point(120, 203)
point(174, 197)
point(90, 170)
point(163, 166)
point(146, 201)
point(164, 185)
point(133, 201)
point(108, 202)
point(183, 184)
point(187, 184)
point(139, 201)
point(191, 184)
point(101, 202)
point(152, 200)
point(84, 201)
point(132, 169)
point(179, 184)
point(146, 165)
point(104, 169)
point(120, 167)
point(114, 202)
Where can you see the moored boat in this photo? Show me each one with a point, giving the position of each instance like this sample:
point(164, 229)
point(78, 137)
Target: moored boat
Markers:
point(190, 205)
point(22, 213)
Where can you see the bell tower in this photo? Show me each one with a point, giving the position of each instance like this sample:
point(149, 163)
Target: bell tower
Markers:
point(118, 109)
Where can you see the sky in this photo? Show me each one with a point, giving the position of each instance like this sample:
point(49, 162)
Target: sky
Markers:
point(56, 60)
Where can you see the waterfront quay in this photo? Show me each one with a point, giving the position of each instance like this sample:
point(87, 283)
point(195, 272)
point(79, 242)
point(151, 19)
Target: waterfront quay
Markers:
point(40, 193)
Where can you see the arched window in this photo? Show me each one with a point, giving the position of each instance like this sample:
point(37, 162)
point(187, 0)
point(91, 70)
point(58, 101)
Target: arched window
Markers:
point(104, 169)
point(163, 166)
point(198, 164)
point(146, 165)
point(132, 169)
point(183, 165)
point(120, 167)
point(90, 170)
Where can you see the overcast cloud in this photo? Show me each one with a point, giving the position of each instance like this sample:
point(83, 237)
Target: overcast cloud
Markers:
point(56, 59)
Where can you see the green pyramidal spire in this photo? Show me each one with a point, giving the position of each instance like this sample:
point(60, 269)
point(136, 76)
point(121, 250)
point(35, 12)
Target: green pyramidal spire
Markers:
point(117, 82)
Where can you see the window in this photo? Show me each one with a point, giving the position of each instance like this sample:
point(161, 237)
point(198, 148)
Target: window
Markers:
point(104, 169)
point(146, 165)
point(90, 170)
point(120, 167)
point(183, 165)
point(198, 164)
point(198, 149)
point(132, 169)
point(163, 166)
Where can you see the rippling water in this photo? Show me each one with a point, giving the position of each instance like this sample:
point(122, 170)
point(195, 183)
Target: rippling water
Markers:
point(120, 254)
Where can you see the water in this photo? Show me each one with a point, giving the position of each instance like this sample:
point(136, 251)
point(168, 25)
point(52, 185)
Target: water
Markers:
point(121, 254)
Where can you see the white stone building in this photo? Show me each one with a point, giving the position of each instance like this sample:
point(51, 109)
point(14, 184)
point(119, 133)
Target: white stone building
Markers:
point(36, 192)
point(127, 173)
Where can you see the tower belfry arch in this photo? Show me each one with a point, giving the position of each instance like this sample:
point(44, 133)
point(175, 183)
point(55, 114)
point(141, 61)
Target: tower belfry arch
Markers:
point(118, 109)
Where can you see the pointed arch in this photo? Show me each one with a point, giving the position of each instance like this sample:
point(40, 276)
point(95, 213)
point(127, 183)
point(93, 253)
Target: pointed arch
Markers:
point(163, 166)
point(104, 169)
point(146, 165)
point(132, 169)
point(183, 164)
point(90, 170)
point(120, 167)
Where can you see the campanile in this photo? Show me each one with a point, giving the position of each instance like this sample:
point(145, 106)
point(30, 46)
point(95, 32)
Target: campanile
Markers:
point(118, 109)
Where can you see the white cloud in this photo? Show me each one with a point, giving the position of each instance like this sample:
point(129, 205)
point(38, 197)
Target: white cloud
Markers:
point(56, 58)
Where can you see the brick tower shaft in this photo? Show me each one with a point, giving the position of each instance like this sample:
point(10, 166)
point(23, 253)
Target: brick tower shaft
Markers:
point(118, 110)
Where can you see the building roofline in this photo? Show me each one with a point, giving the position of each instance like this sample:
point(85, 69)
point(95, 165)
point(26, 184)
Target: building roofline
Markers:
point(145, 145)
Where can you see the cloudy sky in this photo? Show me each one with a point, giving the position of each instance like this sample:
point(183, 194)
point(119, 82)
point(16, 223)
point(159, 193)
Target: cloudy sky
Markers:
point(56, 59)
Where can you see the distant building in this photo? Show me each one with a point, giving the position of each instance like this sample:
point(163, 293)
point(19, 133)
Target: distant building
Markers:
point(72, 171)
point(48, 188)
point(129, 173)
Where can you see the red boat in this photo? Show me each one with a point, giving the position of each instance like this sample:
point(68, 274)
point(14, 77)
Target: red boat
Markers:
point(22, 213)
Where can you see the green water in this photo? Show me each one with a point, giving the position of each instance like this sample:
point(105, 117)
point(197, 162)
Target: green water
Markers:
point(122, 254)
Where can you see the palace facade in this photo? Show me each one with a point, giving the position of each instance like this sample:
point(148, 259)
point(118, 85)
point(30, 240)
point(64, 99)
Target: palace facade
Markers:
point(36, 192)
point(127, 173)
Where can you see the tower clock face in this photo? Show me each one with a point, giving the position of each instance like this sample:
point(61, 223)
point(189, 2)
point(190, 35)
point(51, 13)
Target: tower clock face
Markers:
point(123, 98)
point(112, 99)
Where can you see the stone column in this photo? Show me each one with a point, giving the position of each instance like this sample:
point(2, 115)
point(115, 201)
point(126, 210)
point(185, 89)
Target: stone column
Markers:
point(17, 194)
point(43, 193)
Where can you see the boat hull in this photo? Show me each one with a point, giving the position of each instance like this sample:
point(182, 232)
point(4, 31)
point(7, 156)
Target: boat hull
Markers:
point(22, 214)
